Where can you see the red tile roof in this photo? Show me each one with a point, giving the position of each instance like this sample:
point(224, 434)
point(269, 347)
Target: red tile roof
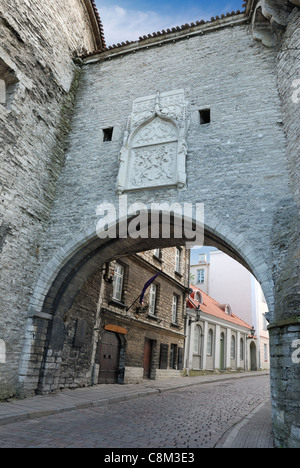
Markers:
point(212, 307)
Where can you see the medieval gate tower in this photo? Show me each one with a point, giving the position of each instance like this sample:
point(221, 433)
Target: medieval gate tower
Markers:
point(204, 113)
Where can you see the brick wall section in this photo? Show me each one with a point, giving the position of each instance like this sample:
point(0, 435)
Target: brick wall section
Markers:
point(38, 51)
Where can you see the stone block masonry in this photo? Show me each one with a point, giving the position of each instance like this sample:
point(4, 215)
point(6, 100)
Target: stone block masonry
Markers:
point(242, 164)
point(238, 154)
point(36, 64)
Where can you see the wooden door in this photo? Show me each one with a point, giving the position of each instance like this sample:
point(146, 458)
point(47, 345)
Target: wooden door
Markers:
point(109, 358)
point(147, 359)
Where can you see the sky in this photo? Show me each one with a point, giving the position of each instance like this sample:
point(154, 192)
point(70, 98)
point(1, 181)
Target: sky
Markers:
point(127, 20)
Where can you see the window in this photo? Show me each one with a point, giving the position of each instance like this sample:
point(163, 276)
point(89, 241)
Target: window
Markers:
point(242, 349)
point(210, 339)
point(173, 356)
point(232, 353)
point(200, 276)
point(164, 354)
point(152, 300)
point(266, 355)
point(197, 340)
point(265, 322)
point(8, 84)
point(204, 116)
point(118, 282)
point(174, 308)
point(198, 297)
point(2, 352)
point(107, 134)
point(202, 258)
point(157, 253)
point(178, 261)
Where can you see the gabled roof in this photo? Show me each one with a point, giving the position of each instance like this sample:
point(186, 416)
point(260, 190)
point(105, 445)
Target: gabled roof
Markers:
point(212, 307)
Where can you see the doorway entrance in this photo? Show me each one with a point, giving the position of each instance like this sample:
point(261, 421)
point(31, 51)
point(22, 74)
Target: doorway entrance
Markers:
point(109, 358)
point(148, 351)
point(222, 352)
point(253, 356)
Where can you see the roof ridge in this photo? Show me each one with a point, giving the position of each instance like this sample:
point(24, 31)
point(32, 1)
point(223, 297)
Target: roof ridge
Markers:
point(211, 303)
point(100, 25)
point(164, 32)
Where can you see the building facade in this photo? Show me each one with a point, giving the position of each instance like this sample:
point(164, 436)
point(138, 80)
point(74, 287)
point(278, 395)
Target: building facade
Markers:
point(108, 336)
point(227, 281)
point(216, 339)
point(151, 344)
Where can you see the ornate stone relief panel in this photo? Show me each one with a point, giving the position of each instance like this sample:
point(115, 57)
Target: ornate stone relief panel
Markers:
point(154, 148)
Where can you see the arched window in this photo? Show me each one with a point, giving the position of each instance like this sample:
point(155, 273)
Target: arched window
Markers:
point(210, 340)
point(198, 297)
point(242, 349)
point(197, 340)
point(232, 347)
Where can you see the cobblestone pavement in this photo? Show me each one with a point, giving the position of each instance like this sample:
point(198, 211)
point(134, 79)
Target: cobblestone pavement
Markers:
point(197, 417)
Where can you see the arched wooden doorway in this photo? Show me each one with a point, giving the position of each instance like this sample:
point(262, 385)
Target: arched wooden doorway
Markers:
point(222, 351)
point(253, 356)
point(109, 358)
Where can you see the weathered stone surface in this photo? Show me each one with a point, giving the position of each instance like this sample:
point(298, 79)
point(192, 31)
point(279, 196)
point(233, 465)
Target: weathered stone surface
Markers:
point(36, 64)
point(244, 166)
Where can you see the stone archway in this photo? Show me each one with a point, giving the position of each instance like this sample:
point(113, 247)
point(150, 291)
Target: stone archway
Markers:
point(245, 182)
point(62, 281)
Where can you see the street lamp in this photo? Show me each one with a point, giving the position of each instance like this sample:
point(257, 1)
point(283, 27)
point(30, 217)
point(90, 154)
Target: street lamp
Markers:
point(253, 332)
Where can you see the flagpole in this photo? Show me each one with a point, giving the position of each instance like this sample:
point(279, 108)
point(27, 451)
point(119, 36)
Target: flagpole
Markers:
point(144, 290)
point(128, 308)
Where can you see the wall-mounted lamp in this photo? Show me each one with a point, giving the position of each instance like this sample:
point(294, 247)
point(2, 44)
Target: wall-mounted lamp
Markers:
point(198, 314)
point(253, 332)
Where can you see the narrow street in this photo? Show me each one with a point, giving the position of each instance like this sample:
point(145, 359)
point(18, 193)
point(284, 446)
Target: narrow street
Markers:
point(203, 416)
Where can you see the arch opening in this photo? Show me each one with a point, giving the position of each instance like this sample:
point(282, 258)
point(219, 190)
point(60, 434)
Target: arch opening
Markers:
point(87, 261)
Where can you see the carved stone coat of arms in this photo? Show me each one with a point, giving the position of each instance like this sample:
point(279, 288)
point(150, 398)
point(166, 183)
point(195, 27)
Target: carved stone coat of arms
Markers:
point(154, 149)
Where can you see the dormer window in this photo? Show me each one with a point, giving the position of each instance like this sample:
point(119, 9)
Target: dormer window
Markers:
point(198, 297)
point(157, 253)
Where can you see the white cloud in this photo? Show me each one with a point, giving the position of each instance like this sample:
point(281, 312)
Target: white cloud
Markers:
point(122, 25)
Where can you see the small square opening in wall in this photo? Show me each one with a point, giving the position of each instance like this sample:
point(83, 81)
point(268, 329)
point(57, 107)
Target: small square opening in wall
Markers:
point(205, 117)
point(107, 134)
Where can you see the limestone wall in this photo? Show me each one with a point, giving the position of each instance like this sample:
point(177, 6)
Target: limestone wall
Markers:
point(38, 42)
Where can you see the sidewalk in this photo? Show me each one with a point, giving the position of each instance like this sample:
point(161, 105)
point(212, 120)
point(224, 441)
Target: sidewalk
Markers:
point(72, 400)
point(255, 431)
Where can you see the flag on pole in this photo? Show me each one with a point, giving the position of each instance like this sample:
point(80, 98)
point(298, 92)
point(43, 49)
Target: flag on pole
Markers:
point(147, 286)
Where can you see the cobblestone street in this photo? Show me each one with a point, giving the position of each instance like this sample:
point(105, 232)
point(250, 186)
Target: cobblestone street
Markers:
point(196, 417)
